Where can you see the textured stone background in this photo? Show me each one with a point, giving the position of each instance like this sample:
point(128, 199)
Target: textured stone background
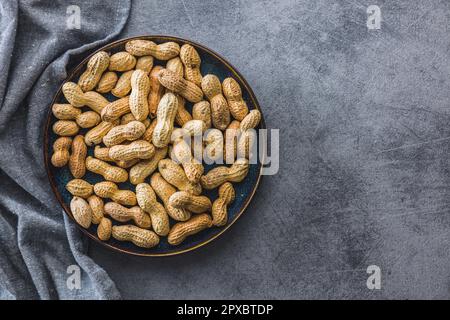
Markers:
point(364, 177)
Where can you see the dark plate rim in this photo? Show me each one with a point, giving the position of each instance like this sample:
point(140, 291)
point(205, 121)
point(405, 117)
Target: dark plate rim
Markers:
point(75, 70)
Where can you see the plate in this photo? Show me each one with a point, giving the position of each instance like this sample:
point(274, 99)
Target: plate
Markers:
point(245, 190)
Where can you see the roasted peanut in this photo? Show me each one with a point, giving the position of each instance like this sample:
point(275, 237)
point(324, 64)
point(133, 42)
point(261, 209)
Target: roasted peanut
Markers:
point(127, 118)
point(116, 109)
point(175, 175)
point(219, 175)
point(78, 157)
point(183, 115)
point(176, 66)
point(88, 119)
point(167, 110)
point(109, 172)
point(195, 204)
point(163, 51)
point(140, 87)
point(97, 64)
point(214, 145)
point(96, 134)
point(65, 111)
point(141, 237)
point(108, 189)
point(220, 113)
point(77, 98)
point(148, 134)
point(182, 151)
point(81, 212)
point(146, 199)
point(181, 230)
point(232, 91)
point(156, 91)
point(61, 154)
point(140, 171)
point(177, 84)
point(123, 214)
point(164, 190)
point(103, 154)
point(65, 128)
point(123, 85)
point(195, 127)
point(79, 188)
point(231, 138)
point(145, 63)
point(202, 111)
point(131, 131)
point(219, 207)
point(121, 61)
point(107, 82)
point(104, 229)
point(139, 149)
point(251, 120)
point(97, 207)
point(191, 61)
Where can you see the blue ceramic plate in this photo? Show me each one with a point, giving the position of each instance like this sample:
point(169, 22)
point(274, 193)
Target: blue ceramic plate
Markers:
point(211, 63)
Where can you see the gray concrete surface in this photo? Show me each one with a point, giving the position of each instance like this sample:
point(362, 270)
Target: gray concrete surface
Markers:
point(364, 177)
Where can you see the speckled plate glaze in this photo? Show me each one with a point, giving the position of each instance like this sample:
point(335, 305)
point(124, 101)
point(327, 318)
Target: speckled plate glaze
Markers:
point(211, 63)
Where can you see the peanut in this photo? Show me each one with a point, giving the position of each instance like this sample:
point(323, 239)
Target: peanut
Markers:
point(109, 172)
point(146, 199)
point(110, 190)
point(181, 230)
point(97, 207)
point(139, 149)
point(202, 111)
point(123, 214)
point(97, 64)
point(164, 190)
point(116, 109)
point(219, 207)
point(191, 61)
point(131, 131)
point(167, 110)
point(127, 164)
point(140, 87)
point(78, 157)
point(183, 115)
point(251, 120)
point(123, 85)
point(163, 51)
point(61, 154)
point(81, 212)
point(107, 82)
point(103, 154)
point(177, 84)
point(96, 134)
point(232, 91)
point(195, 204)
point(145, 63)
point(176, 66)
point(175, 175)
point(148, 134)
point(140, 237)
point(214, 144)
point(65, 128)
point(219, 175)
point(88, 119)
point(79, 188)
point(195, 127)
point(156, 91)
point(104, 229)
point(182, 151)
point(77, 98)
point(68, 112)
point(65, 111)
point(140, 171)
point(220, 113)
point(231, 136)
point(121, 61)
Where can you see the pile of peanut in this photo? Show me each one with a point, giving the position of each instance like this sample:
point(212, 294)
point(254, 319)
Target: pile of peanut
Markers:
point(140, 135)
